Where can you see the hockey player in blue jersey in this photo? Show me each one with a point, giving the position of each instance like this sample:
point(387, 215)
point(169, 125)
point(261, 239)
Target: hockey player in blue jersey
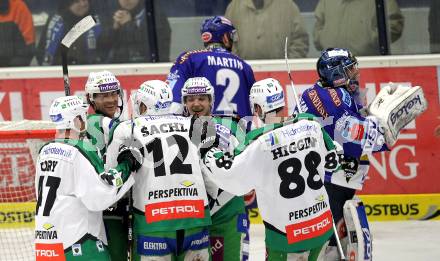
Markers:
point(231, 77)
point(335, 98)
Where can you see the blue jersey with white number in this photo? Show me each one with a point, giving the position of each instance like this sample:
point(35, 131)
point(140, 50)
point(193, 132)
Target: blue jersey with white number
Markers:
point(231, 77)
point(342, 120)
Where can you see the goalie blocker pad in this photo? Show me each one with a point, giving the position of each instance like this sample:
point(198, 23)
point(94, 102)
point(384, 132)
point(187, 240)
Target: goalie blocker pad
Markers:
point(360, 242)
point(395, 106)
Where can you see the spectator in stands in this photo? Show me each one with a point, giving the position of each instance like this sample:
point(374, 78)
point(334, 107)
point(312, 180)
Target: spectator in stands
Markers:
point(352, 24)
point(17, 34)
point(88, 49)
point(131, 34)
point(434, 26)
point(263, 25)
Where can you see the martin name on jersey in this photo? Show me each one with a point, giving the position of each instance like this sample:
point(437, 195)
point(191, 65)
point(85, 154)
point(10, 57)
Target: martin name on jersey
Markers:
point(169, 191)
point(286, 167)
point(231, 77)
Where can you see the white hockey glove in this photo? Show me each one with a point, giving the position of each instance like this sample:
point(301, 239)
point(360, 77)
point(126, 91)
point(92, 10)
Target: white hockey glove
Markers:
point(395, 106)
point(112, 177)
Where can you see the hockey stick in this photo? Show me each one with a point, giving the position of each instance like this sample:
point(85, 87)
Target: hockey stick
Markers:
point(130, 205)
point(77, 30)
point(338, 242)
point(290, 75)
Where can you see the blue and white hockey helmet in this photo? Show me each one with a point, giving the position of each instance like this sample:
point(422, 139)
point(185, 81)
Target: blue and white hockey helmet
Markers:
point(338, 67)
point(213, 29)
point(156, 95)
point(267, 93)
point(65, 109)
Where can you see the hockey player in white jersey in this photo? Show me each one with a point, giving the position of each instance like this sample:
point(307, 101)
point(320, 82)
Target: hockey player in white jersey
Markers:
point(285, 164)
point(171, 212)
point(73, 189)
point(228, 215)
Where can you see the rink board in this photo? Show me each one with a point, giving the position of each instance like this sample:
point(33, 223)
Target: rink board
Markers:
point(391, 207)
point(378, 208)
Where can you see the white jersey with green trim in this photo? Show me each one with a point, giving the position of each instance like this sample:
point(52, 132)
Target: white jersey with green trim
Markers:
point(71, 196)
point(169, 188)
point(286, 167)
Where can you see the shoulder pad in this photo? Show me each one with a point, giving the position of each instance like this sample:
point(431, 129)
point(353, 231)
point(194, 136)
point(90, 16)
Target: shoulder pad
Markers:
point(184, 56)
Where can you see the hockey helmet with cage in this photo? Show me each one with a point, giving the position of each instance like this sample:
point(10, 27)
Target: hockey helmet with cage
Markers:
point(156, 95)
point(102, 82)
point(338, 67)
point(197, 86)
point(268, 94)
point(64, 110)
point(213, 29)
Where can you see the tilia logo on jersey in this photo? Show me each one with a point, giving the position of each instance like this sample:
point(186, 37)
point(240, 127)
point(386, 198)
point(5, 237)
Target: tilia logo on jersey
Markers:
point(49, 252)
point(176, 209)
point(309, 229)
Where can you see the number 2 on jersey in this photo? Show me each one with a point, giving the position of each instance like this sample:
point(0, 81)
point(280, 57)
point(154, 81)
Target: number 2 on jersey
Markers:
point(222, 78)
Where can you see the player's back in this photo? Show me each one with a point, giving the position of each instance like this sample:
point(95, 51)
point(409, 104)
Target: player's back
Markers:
point(231, 77)
point(68, 186)
point(295, 155)
point(169, 191)
point(285, 164)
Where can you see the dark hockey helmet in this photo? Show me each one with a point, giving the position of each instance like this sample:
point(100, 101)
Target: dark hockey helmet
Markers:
point(213, 29)
point(338, 67)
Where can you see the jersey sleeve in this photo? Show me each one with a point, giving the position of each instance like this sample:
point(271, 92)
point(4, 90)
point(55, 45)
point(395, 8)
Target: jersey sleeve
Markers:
point(342, 121)
point(95, 194)
point(120, 135)
point(231, 173)
point(179, 73)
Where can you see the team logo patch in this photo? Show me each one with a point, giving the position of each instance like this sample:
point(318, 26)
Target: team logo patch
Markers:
point(177, 209)
point(335, 98)
point(76, 250)
point(309, 229)
point(354, 130)
point(162, 105)
point(155, 246)
point(206, 37)
point(187, 183)
point(346, 98)
point(52, 252)
point(272, 139)
point(217, 248)
point(100, 246)
point(317, 103)
point(196, 241)
point(48, 226)
point(56, 117)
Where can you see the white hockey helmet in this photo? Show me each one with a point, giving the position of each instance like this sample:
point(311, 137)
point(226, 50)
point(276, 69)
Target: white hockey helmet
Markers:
point(102, 82)
point(267, 93)
point(197, 86)
point(156, 95)
point(65, 109)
